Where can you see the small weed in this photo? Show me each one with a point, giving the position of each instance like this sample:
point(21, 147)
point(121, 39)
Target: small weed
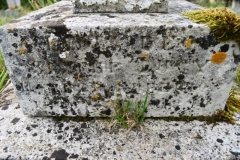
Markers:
point(37, 4)
point(3, 72)
point(129, 114)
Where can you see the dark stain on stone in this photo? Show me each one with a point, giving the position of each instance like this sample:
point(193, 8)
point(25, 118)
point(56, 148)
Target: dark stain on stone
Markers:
point(190, 26)
point(28, 128)
point(5, 108)
point(34, 134)
point(15, 45)
point(15, 34)
point(154, 102)
point(201, 103)
point(49, 131)
point(34, 125)
point(161, 136)
point(18, 87)
point(84, 125)
point(76, 130)
point(15, 120)
point(59, 137)
point(161, 30)
point(45, 158)
point(236, 154)
point(224, 48)
point(177, 108)
point(219, 140)
point(29, 48)
point(84, 158)
point(74, 156)
point(177, 147)
point(60, 154)
point(132, 41)
point(207, 41)
point(106, 53)
point(108, 15)
point(60, 126)
point(90, 58)
point(106, 112)
point(181, 77)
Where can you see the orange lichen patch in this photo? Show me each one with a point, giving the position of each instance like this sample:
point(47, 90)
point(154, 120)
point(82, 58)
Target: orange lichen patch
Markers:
point(24, 43)
point(79, 78)
point(48, 66)
point(188, 43)
point(52, 42)
point(218, 57)
point(145, 56)
point(95, 96)
point(22, 51)
point(118, 81)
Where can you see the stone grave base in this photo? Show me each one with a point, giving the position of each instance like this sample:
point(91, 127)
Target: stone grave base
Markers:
point(23, 137)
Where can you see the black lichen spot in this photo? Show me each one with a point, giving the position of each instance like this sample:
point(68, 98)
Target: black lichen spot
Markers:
point(5, 108)
point(114, 153)
point(224, 48)
point(15, 120)
point(207, 41)
point(201, 103)
point(84, 158)
point(161, 136)
point(219, 140)
point(190, 26)
point(18, 87)
point(60, 126)
point(14, 45)
point(181, 77)
point(59, 137)
point(84, 125)
point(34, 134)
point(60, 154)
point(236, 154)
point(15, 34)
point(132, 41)
point(106, 112)
point(177, 108)
point(90, 58)
point(154, 102)
point(76, 130)
point(162, 30)
point(39, 86)
point(74, 156)
point(29, 48)
point(34, 125)
point(177, 147)
point(106, 53)
point(28, 128)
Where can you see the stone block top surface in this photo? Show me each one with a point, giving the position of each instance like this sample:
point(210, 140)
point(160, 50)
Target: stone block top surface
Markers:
point(120, 6)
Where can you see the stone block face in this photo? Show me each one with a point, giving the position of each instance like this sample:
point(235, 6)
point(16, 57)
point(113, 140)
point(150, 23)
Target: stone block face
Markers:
point(144, 6)
point(65, 64)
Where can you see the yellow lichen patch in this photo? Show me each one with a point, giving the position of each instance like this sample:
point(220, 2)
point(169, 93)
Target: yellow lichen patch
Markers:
point(22, 51)
point(48, 66)
point(95, 96)
point(32, 59)
point(79, 78)
point(118, 81)
point(224, 23)
point(218, 57)
point(188, 43)
point(96, 86)
point(24, 43)
point(145, 56)
point(52, 42)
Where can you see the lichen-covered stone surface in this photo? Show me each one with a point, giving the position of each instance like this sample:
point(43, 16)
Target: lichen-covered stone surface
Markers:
point(41, 138)
point(77, 64)
point(144, 6)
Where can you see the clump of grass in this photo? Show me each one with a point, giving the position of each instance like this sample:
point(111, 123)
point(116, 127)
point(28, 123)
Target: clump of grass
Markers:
point(224, 23)
point(3, 72)
point(37, 4)
point(129, 114)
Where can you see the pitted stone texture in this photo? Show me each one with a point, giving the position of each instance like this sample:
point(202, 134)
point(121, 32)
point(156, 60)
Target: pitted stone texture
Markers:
point(64, 64)
point(24, 137)
point(141, 6)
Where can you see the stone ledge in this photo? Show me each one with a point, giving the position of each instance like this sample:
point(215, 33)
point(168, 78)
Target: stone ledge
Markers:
point(24, 137)
point(122, 6)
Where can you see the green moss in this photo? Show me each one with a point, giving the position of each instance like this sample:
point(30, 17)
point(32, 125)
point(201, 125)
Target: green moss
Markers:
point(225, 24)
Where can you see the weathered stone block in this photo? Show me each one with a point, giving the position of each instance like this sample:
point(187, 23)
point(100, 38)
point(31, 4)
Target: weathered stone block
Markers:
point(120, 6)
point(66, 64)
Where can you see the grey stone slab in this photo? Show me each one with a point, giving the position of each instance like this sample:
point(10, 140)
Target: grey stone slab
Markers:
point(76, 64)
point(130, 6)
point(24, 137)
